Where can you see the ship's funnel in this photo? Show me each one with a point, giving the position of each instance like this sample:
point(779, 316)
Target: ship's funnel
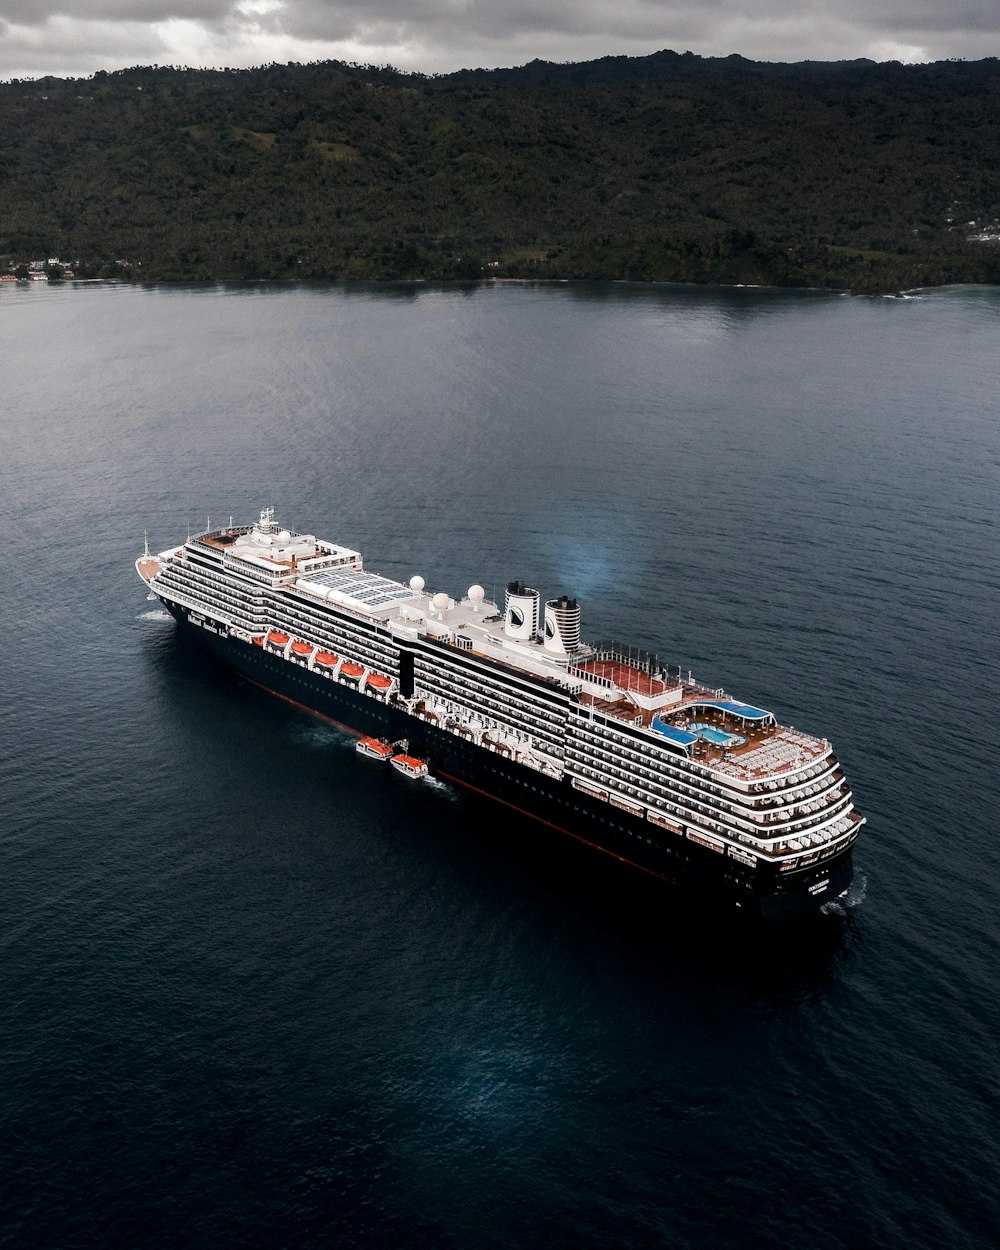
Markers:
point(520, 611)
point(562, 625)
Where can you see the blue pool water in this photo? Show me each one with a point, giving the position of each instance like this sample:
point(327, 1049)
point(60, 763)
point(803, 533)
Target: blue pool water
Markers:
point(717, 736)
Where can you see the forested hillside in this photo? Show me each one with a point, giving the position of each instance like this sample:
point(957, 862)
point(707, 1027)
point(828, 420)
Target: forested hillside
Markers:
point(850, 174)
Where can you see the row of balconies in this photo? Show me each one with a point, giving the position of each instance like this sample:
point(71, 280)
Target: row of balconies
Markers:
point(337, 636)
point(472, 690)
point(737, 800)
point(651, 767)
point(352, 636)
point(699, 819)
point(225, 581)
point(174, 589)
point(504, 679)
point(479, 683)
point(447, 692)
point(221, 588)
point(675, 809)
point(631, 744)
point(734, 815)
point(653, 791)
point(515, 717)
point(361, 652)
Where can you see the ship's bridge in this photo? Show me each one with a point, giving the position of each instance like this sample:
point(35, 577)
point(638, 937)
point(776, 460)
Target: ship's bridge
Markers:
point(276, 551)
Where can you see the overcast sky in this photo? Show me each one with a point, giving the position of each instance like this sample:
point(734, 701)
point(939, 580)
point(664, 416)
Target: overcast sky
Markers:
point(77, 37)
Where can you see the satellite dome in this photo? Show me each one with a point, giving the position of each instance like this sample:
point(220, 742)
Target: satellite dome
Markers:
point(440, 601)
point(416, 584)
point(284, 536)
point(477, 594)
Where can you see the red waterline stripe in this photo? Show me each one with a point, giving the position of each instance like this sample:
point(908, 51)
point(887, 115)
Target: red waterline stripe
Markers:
point(559, 829)
point(301, 706)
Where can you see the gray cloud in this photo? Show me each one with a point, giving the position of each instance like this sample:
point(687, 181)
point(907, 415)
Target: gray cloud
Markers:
point(143, 12)
point(80, 36)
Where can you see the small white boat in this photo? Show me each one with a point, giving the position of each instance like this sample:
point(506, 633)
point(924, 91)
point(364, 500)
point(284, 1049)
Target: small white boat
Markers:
point(374, 749)
point(409, 766)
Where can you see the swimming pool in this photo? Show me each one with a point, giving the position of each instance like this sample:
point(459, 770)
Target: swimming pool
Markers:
point(717, 736)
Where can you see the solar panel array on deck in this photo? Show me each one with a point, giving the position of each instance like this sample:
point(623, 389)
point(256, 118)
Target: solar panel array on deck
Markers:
point(371, 589)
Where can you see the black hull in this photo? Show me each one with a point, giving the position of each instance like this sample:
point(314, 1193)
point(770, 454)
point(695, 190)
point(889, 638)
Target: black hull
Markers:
point(702, 872)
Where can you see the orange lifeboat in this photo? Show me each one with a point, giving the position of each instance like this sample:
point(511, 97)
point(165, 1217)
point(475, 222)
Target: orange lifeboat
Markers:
point(409, 766)
point(374, 748)
point(327, 658)
point(350, 669)
point(379, 681)
point(302, 648)
point(278, 638)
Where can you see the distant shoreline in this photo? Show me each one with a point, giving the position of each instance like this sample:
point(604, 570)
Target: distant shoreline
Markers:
point(871, 178)
point(450, 283)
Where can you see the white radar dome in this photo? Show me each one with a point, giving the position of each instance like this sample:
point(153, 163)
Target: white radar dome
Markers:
point(416, 584)
point(284, 536)
point(477, 594)
point(440, 601)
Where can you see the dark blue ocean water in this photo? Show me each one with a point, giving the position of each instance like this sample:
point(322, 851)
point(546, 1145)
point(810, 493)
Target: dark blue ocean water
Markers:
point(256, 995)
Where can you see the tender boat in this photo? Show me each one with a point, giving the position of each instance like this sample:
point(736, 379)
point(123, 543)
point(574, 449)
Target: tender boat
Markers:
point(409, 766)
point(374, 748)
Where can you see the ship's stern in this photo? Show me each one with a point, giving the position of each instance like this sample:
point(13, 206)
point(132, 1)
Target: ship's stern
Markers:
point(808, 895)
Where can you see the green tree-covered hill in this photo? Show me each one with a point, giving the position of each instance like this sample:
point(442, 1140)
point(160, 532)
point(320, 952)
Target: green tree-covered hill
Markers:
point(849, 174)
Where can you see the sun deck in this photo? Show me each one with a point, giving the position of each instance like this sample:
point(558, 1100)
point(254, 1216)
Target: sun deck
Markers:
point(624, 676)
point(734, 738)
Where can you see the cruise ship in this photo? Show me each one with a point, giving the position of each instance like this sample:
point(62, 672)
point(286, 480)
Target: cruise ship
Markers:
point(598, 741)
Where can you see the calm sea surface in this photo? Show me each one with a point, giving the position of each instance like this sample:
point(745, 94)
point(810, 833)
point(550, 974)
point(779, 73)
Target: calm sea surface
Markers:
point(256, 994)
